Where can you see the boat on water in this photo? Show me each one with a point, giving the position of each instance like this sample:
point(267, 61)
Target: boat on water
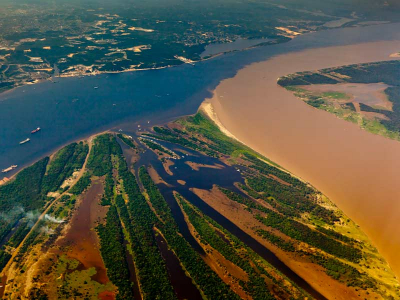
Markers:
point(24, 141)
point(9, 169)
point(36, 130)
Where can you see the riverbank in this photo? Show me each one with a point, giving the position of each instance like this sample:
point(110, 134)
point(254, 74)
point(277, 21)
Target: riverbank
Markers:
point(88, 72)
point(72, 108)
point(358, 171)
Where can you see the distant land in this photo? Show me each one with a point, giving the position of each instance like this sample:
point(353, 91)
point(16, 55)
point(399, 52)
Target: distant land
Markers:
point(45, 39)
point(365, 94)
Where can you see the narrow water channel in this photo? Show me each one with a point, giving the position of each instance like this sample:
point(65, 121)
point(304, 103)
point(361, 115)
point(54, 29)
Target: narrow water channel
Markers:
point(132, 273)
point(182, 284)
point(205, 178)
point(145, 158)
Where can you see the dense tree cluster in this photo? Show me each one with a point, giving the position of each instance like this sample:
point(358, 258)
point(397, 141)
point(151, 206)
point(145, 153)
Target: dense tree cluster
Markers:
point(64, 163)
point(292, 200)
point(16, 192)
point(100, 156)
point(344, 272)
point(108, 190)
point(113, 253)
point(248, 203)
point(126, 140)
point(304, 233)
point(82, 184)
point(276, 240)
point(163, 131)
point(217, 143)
point(22, 230)
point(16, 199)
point(140, 220)
point(32, 239)
point(156, 147)
point(179, 140)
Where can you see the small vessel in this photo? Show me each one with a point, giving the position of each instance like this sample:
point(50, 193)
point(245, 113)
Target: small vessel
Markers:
point(96, 87)
point(36, 130)
point(24, 141)
point(9, 169)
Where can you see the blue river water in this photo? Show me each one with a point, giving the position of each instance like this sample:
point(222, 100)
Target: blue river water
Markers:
point(72, 108)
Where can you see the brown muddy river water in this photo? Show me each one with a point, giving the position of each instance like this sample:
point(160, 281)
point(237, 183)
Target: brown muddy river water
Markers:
point(81, 240)
point(359, 171)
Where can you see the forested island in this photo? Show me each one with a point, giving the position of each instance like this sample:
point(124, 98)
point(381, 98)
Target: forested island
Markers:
point(175, 212)
point(365, 94)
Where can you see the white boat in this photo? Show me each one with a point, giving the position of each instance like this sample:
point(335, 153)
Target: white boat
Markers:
point(24, 141)
point(36, 130)
point(9, 169)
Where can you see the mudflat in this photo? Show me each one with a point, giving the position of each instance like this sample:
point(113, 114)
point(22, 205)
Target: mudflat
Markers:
point(357, 170)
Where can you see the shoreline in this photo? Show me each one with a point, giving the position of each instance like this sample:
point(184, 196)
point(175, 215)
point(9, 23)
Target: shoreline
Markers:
point(50, 153)
point(262, 133)
point(98, 73)
point(278, 39)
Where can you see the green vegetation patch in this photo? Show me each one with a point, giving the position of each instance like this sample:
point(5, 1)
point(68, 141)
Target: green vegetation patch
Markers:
point(379, 72)
point(78, 284)
point(65, 162)
point(344, 272)
point(335, 95)
point(108, 190)
point(82, 184)
point(100, 156)
point(64, 206)
point(15, 193)
point(113, 253)
point(128, 141)
point(304, 233)
point(276, 240)
point(156, 147)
